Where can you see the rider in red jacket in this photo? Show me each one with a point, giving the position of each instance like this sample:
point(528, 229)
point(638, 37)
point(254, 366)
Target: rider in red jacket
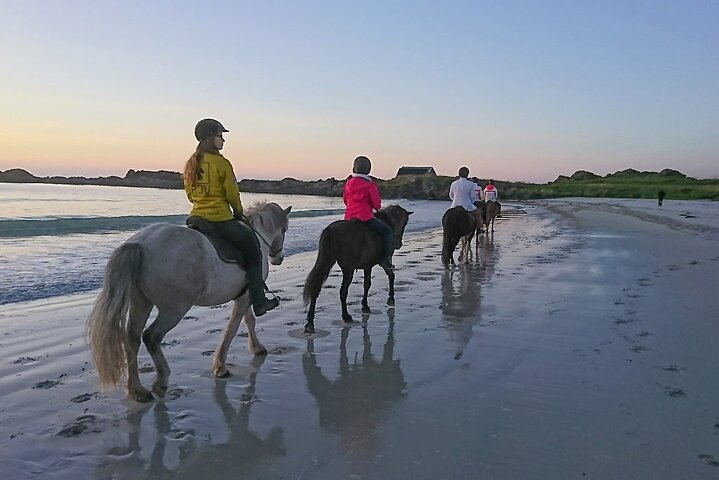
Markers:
point(361, 197)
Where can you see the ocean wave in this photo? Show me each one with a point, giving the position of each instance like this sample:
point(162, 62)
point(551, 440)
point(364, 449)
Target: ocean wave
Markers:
point(53, 226)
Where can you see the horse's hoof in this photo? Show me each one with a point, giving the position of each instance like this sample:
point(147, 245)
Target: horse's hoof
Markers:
point(347, 318)
point(390, 302)
point(261, 351)
point(143, 396)
point(309, 329)
point(159, 389)
point(366, 309)
point(222, 373)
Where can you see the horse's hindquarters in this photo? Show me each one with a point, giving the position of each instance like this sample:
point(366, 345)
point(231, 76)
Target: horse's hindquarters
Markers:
point(182, 267)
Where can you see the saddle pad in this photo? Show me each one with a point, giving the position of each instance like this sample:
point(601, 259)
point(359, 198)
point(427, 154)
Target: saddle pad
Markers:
point(227, 251)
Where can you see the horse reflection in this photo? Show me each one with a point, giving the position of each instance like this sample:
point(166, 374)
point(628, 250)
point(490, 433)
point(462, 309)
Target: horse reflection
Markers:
point(461, 300)
point(352, 404)
point(172, 457)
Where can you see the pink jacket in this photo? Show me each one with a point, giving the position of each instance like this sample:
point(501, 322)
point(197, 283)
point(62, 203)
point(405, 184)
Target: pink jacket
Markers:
point(361, 196)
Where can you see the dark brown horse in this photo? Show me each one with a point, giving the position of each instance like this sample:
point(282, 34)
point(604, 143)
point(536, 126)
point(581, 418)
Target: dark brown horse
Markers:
point(457, 224)
point(492, 211)
point(352, 245)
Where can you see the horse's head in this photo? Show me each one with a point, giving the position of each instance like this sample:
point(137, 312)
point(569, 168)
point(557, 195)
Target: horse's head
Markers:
point(397, 218)
point(270, 222)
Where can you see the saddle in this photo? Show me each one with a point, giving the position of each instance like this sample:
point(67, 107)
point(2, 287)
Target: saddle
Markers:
point(227, 251)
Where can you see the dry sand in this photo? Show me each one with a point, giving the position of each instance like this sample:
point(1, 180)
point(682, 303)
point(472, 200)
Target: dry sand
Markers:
point(580, 343)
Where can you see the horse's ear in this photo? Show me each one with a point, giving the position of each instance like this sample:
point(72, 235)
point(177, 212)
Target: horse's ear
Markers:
point(409, 213)
point(287, 210)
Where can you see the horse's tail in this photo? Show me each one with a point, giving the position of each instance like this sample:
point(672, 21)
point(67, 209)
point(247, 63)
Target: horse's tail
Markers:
point(321, 270)
point(106, 328)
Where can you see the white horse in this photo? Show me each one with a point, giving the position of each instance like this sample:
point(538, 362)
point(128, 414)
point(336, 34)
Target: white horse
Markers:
point(173, 268)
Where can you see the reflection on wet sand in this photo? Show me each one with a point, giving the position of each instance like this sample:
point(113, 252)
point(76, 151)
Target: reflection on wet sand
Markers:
point(351, 406)
point(462, 294)
point(177, 453)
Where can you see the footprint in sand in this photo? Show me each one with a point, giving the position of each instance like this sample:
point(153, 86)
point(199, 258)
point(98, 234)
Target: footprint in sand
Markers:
point(694, 262)
point(189, 317)
point(80, 425)
point(673, 392)
point(45, 384)
point(708, 459)
point(643, 334)
point(147, 368)
point(24, 360)
point(213, 330)
point(281, 350)
point(671, 368)
point(84, 397)
point(207, 353)
point(639, 349)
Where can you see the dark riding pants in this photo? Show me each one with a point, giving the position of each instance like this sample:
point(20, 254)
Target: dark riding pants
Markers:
point(385, 232)
point(246, 241)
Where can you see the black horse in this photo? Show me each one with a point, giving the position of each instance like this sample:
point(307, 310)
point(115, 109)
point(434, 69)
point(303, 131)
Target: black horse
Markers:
point(352, 245)
point(457, 224)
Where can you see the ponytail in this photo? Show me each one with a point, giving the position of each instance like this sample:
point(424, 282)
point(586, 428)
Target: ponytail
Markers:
point(192, 167)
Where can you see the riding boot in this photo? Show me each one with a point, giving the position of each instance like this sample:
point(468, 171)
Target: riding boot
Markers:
point(260, 304)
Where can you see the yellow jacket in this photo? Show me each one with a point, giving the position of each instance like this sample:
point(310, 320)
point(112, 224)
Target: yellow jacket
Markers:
point(215, 191)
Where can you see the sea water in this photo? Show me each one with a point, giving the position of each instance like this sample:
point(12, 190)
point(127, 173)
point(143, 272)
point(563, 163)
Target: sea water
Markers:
point(56, 239)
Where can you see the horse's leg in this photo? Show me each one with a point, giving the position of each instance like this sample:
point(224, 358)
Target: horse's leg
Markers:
point(219, 359)
point(367, 284)
point(390, 277)
point(253, 342)
point(310, 321)
point(140, 309)
point(347, 274)
point(166, 320)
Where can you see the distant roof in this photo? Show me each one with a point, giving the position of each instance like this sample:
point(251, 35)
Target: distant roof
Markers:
point(416, 171)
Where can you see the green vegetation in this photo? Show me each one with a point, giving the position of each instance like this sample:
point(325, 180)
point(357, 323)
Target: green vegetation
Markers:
point(625, 184)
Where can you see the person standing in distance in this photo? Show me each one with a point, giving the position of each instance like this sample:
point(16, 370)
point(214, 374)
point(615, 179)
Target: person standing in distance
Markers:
point(211, 187)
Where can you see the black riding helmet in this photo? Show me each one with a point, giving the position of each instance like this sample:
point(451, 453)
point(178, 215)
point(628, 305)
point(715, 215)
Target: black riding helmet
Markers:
point(208, 127)
point(362, 165)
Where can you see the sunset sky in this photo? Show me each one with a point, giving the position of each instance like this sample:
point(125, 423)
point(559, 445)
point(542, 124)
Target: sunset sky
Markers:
point(515, 90)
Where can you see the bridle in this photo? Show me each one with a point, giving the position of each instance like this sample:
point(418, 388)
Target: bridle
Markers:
point(272, 253)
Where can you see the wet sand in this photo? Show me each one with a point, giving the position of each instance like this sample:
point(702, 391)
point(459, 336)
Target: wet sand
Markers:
point(581, 342)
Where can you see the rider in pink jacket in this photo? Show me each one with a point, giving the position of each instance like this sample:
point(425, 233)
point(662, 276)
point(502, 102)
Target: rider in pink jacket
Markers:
point(361, 197)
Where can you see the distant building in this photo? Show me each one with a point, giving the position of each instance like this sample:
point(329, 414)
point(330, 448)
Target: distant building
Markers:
point(416, 171)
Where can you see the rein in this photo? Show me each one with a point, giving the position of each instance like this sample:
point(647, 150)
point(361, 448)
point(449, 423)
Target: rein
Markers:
point(249, 224)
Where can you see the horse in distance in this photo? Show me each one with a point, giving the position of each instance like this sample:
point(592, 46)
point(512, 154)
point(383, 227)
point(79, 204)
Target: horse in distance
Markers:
point(457, 225)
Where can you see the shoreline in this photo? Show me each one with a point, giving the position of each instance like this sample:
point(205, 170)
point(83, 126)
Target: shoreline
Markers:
point(579, 343)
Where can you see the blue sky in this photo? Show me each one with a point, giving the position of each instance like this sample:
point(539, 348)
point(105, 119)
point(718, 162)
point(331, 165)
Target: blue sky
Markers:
point(514, 90)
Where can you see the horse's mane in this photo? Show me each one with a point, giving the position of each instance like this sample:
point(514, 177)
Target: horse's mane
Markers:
point(269, 211)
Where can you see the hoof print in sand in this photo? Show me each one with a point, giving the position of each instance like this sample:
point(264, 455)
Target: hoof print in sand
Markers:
point(673, 391)
point(84, 397)
point(45, 384)
point(709, 460)
point(24, 360)
point(79, 426)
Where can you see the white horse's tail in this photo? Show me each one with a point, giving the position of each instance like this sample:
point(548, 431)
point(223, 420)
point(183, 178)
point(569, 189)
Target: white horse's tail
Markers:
point(107, 324)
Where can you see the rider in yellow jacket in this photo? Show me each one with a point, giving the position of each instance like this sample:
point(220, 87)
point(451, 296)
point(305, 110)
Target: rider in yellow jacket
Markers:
point(211, 186)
